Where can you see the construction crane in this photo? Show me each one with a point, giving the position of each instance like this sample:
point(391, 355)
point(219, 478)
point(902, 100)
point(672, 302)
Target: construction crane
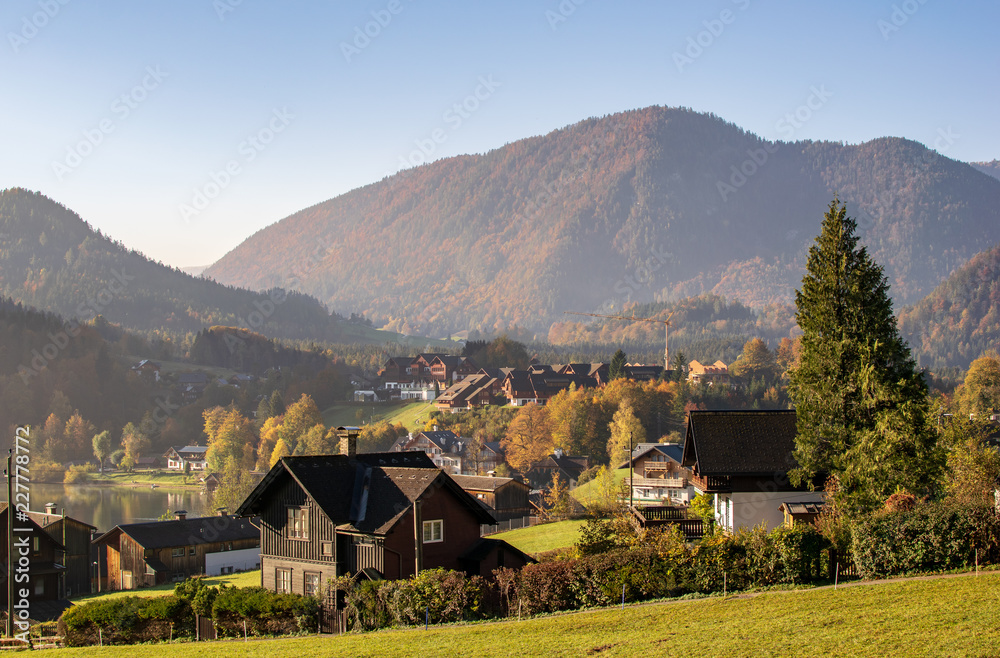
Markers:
point(632, 318)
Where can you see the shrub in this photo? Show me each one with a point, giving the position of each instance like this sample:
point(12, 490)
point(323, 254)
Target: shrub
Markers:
point(265, 612)
point(127, 620)
point(929, 537)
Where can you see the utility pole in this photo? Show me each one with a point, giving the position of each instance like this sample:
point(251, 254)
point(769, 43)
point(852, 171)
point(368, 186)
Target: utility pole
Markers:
point(10, 542)
point(632, 318)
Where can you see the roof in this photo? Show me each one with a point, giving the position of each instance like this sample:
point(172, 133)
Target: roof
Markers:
point(674, 451)
point(30, 521)
point(366, 494)
point(192, 378)
point(485, 546)
point(167, 534)
point(482, 482)
point(189, 452)
point(747, 443)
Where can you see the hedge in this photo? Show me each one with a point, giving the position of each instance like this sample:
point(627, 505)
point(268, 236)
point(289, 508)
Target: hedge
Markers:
point(929, 537)
point(127, 620)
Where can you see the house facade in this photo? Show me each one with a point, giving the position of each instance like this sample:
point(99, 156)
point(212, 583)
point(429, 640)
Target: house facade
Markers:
point(386, 515)
point(717, 373)
point(742, 459)
point(657, 476)
point(145, 554)
point(177, 457)
point(43, 554)
point(507, 498)
point(75, 538)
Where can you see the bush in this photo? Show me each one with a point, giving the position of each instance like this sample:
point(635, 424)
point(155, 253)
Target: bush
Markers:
point(929, 537)
point(435, 594)
point(127, 621)
point(265, 612)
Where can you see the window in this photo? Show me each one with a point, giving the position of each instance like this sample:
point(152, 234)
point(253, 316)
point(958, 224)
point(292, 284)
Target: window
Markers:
point(433, 531)
point(177, 552)
point(327, 549)
point(283, 581)
point(298, 523)
point(192, 551)
point(37, 544)
point(311, 584)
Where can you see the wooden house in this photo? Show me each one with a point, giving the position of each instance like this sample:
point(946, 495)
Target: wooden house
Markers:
point(177, 457)
point(43, 553)
point(569, 468)
point(75, 538)
point(657, 475)
point(384, 514)
point(742, 458)
point(144, 554)
point(507, 498)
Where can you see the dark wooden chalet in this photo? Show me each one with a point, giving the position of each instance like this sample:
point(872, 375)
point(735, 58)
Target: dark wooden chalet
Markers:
point(384, 514)
point(75, 537)
point(45, 570)
point(143, 554)
point(569, 468)
point(507, 498)
point(743, 459)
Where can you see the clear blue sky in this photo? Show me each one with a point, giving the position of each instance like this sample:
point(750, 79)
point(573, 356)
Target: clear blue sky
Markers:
point(171, 91)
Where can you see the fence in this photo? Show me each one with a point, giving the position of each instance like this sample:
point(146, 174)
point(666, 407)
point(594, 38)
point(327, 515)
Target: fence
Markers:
point(332, 620)
point(510, 524)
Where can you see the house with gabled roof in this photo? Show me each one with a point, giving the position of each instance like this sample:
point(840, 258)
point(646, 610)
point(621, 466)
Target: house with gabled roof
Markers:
point(742, 458)
point(41, 554)
point(569, 468)
point(145, 554)
point(507, 498)
point(657, 475)
point(177, 457)
point(717, 373)
point(386, 515)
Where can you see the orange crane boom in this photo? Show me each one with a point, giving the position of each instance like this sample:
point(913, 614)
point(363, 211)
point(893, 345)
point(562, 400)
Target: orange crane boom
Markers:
point(632, 318)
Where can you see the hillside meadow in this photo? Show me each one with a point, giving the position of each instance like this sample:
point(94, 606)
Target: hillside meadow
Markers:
point(943, 616)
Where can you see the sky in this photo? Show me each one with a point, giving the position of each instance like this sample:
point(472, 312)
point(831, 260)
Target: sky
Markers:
point(182, 127)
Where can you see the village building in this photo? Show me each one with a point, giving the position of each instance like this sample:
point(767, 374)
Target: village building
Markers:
point(178, 457)
point(657, 476)
point(742, 458)
point(506, 498)
point(76, 555)
point(717, 373)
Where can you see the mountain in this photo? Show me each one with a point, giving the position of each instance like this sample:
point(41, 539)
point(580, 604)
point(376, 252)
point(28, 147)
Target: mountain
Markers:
point(52, 260)
point(648, 205)
point(960, 319)
point(991, 168)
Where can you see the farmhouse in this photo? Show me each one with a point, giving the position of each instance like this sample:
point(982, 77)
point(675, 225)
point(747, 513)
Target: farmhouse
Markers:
point(657, 474)
point(386, 515)
point(45, 569)
point(743, 458)
point(507, 498)
point(178, 456)
point(141, 554)
point(75, 537)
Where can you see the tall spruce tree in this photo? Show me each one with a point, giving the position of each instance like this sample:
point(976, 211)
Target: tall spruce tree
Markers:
point(861, 404)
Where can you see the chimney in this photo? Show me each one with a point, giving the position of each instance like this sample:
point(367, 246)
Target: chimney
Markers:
point(221, 511)
point(435, 428)
point(180, 514)
point(50, 508)
point(348, 441)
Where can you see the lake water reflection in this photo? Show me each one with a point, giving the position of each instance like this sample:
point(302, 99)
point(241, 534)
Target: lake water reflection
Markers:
point(106, 507)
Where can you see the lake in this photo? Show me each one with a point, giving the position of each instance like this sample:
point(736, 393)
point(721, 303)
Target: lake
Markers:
point(106, 507)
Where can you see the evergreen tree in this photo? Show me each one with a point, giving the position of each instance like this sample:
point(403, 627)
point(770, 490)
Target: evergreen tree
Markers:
point(861, 405)
point(679, 365)
point(616, 369)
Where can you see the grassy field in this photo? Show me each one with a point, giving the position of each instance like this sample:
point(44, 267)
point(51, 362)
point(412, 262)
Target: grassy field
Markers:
point(588, 491)
point(160, 478)
point(245, 579)
point(406, 413)
point(545, 537)
point(940, 617)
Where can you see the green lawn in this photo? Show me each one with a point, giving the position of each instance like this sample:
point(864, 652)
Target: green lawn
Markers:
point(245, 579)
point(544, 537)
point(411, 414)
point(588, 491)
point(159, 477)
point(942, 617)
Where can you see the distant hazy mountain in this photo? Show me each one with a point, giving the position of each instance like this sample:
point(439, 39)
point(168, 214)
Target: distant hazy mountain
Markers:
point(991, 168)
point(51, 259)
point(648, 205)
point(959, 320)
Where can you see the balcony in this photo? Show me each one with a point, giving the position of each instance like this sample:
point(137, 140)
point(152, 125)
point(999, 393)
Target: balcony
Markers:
point(712, 484)
point(659, 483)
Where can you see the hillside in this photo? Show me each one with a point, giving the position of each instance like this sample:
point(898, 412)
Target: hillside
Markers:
point(647, 205)
point(960, 319)
point(52, 260)
point(991, 168)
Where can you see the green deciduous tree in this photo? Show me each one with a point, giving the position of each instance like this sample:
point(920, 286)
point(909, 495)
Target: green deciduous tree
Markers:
point(102, 447)
point(979, 394)
point(861, 405)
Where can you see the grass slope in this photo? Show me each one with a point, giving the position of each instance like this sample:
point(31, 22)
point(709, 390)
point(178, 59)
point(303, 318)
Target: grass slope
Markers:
point(588, 492)
point(406, 413)
point(940, 617)
point(245, 579)
point(544, 537)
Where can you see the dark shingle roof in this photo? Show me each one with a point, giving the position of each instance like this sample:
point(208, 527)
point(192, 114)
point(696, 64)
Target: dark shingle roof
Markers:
point(368, 493)
point(166, 534)
point(749, 443)
point(480, 482)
